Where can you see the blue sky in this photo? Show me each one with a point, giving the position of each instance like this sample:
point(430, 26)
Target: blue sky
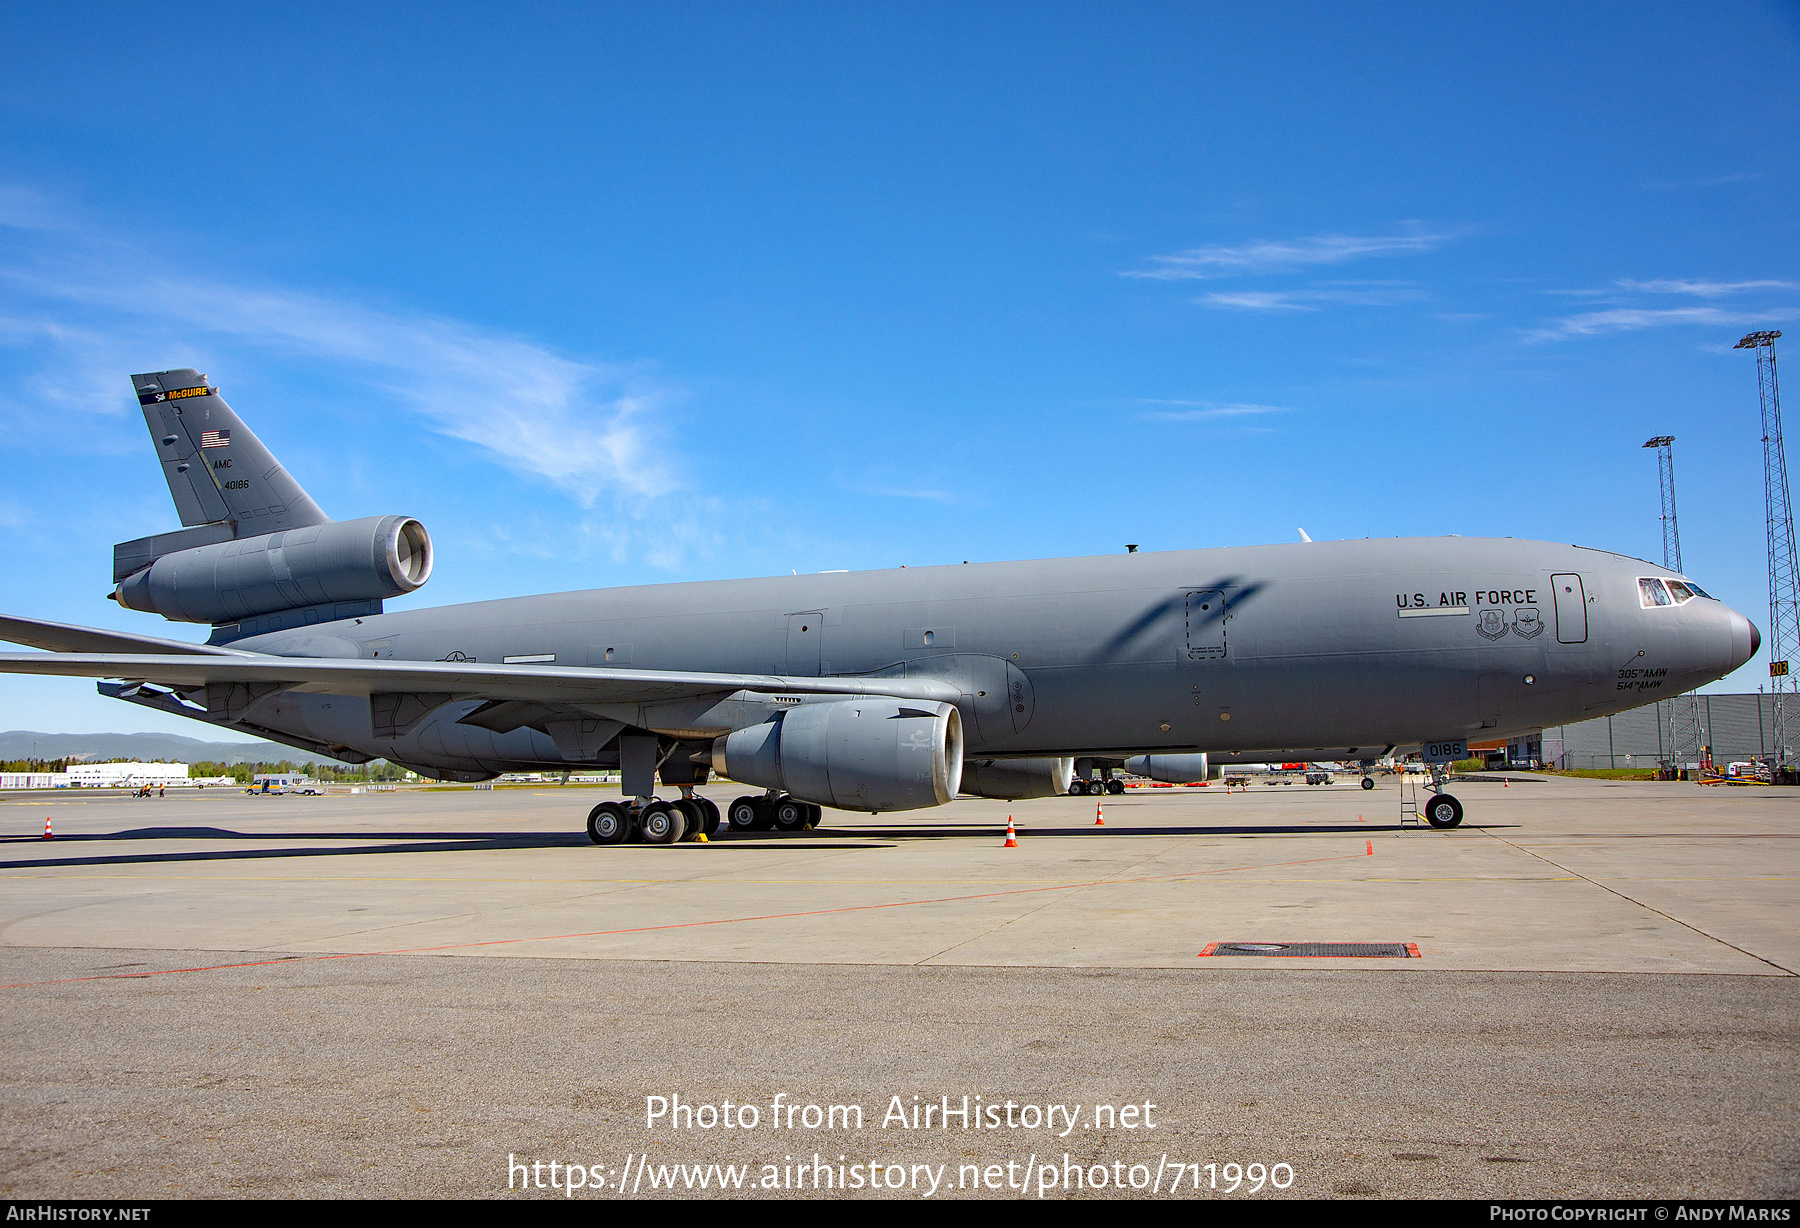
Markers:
point(624, 294)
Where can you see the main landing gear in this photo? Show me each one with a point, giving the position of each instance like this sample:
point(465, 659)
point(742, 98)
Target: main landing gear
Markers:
point(1094, 788)
point(653, 821)
point(773, 810)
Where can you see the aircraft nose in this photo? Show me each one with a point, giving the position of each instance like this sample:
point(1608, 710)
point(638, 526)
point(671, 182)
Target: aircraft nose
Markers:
point(1746, 640)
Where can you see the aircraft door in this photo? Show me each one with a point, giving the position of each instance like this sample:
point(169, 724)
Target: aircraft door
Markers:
point(1571, 608)
point(805, 644)
point(1206, 618)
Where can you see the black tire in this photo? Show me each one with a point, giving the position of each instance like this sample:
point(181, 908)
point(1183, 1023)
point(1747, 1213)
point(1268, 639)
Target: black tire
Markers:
point(710, 820)
point(1443, 810)
point(1368, 782)
point(818, 815)
point(694, 813)
point(662, 823)
point(609, 823)
point(1115, 787)
point(1077, 788)
point(742, 814)
point(792, 814)
point(752, 814)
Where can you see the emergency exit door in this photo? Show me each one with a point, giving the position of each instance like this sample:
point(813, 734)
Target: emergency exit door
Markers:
point(805, 641)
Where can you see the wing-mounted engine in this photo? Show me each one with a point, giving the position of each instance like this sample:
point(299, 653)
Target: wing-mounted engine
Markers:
point(873, 755)
point(1170, 769)
point(1015, 780)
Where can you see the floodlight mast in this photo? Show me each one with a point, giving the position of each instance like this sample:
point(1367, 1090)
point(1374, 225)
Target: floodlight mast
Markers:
point(1784, 572)
point(1686, 738)
point(1665, 473)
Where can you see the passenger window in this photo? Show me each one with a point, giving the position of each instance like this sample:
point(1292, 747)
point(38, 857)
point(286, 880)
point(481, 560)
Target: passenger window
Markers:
point(1651, 593)
point(1681, 591)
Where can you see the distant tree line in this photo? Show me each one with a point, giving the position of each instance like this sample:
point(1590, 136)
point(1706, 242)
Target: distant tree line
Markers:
point(244, 773)
point(37, 765)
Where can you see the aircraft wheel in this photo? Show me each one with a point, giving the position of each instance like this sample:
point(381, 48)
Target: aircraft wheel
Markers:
point(1115, 786)
point(694, 813)
point(1443, 810)
point(609, 823)
point(663, 823)
point(817, 816)
point(791, 814)
point(709, 822)
point(752, 814)
point(1368, 782)
point(1077, 788)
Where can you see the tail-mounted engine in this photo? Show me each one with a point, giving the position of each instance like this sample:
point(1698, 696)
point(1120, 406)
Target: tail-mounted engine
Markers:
point(326, 564)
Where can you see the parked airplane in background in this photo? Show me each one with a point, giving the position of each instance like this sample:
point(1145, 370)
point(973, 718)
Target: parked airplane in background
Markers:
point(874, 691)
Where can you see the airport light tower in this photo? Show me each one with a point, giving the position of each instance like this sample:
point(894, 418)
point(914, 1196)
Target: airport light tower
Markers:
point(1686, 738)
point(1784, 599)
point(1665, 473)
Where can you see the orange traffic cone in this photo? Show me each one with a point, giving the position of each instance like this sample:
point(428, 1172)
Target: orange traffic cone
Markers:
point(1012, 840)
point(47, 834)
point(1099, 814)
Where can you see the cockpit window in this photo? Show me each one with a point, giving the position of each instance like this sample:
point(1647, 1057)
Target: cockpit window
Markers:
point(1680, 591)
point(1700, 592)
point(1652, 593)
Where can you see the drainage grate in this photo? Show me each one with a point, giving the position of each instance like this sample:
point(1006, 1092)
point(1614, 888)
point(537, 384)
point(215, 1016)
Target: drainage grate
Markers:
point(1316, 950)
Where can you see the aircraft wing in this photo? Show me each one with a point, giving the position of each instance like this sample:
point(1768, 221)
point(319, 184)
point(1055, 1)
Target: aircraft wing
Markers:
point(546, 684)
point(64, 637)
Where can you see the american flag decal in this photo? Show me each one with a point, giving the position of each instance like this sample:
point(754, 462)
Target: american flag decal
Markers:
point(215, 439)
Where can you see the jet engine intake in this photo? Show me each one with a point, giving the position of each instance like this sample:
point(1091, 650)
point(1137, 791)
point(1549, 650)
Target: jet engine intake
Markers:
point(350, 560)
point(873, 754)
point(1015, 780)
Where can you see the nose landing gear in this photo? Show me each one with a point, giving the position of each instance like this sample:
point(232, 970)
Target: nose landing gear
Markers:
point(1442, 810)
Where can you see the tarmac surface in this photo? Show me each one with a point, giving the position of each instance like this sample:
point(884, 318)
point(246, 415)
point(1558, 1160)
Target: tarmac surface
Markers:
point(390, 994)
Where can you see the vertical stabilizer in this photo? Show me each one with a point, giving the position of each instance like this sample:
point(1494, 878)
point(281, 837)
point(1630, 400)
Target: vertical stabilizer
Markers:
point(218, 470)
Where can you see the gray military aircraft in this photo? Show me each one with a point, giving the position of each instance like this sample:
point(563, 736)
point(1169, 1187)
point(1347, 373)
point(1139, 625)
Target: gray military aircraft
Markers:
point(873, 691)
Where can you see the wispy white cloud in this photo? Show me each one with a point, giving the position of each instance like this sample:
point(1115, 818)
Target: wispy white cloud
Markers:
point(578, 424)
point(1717, 181)
point(1282, 255)
point(1203, 411)
point(1702, 289)
point(1630, 319)
point(1306, 300)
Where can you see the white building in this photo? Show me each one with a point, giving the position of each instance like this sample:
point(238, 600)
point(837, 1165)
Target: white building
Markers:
point(134, 775)
point(34, 780)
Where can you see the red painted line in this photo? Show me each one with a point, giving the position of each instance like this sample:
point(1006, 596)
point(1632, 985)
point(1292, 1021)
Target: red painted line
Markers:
point(684, 925)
